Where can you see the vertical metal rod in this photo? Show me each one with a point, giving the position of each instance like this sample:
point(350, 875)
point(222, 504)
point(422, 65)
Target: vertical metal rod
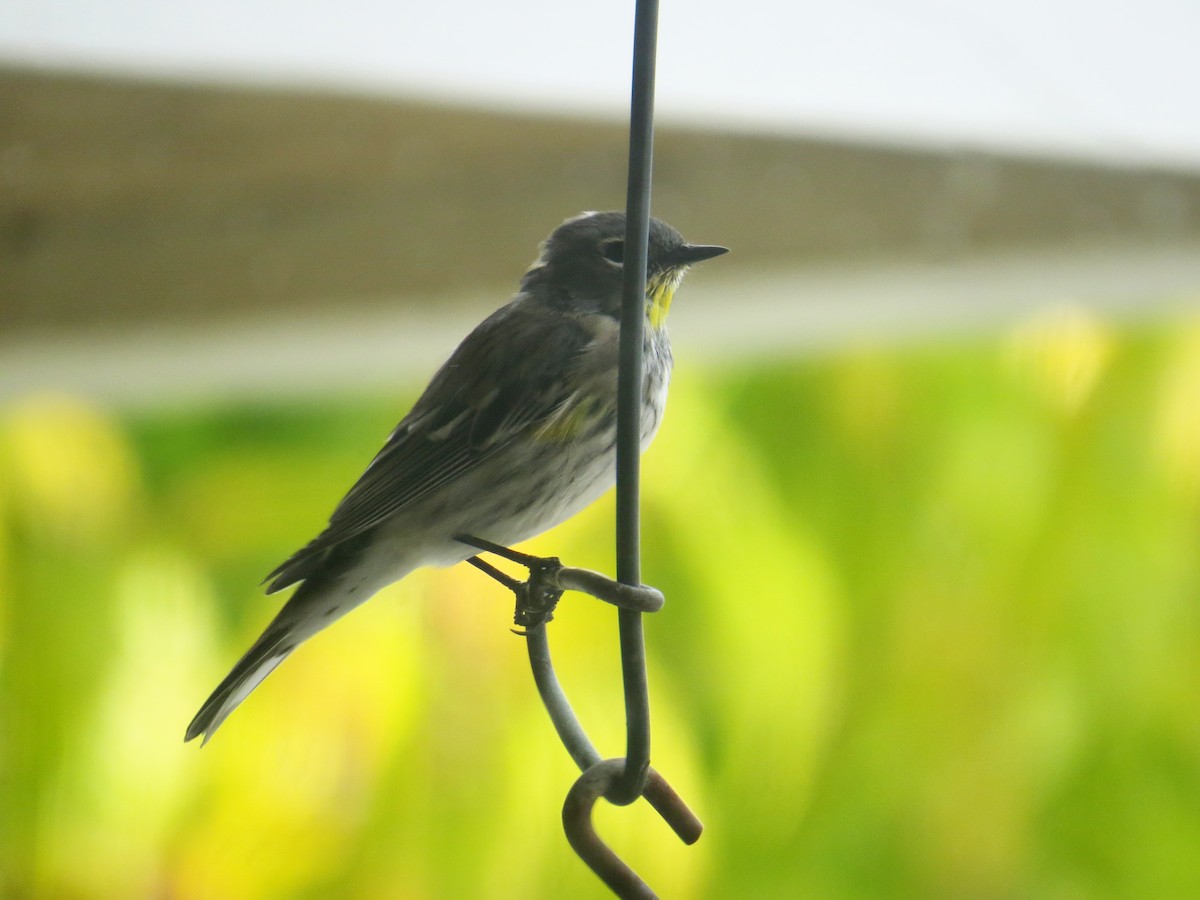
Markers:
point(629, 399)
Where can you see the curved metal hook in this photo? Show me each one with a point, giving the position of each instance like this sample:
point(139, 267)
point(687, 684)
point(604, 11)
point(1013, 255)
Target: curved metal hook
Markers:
point(581, 834)
point(640, 598)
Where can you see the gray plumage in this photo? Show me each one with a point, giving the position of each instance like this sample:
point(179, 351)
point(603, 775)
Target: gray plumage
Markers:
point(515, 433)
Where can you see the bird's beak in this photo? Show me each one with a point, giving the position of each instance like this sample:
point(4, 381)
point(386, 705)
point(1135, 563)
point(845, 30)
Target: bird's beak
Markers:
point(694, 253)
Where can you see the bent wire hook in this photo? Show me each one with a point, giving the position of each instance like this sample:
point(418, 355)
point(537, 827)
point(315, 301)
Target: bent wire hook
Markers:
point(581, 833)
point(600, 777)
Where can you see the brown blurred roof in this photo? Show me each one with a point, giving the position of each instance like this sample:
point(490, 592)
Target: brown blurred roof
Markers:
point(129, 202)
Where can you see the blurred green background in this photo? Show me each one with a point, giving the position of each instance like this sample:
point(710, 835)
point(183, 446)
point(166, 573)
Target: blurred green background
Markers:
point(931, 631)
point(925, 508)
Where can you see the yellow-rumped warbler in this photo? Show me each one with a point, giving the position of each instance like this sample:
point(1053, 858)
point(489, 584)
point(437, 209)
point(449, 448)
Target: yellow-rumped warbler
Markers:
point(515, 433)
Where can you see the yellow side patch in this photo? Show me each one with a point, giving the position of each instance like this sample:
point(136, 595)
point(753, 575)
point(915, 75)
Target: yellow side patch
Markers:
point(568, 420)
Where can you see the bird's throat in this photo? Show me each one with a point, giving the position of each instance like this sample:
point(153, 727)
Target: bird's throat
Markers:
point(660, 292)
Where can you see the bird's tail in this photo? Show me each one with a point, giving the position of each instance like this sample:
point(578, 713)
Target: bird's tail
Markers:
point(321, 599)
point(272, 648)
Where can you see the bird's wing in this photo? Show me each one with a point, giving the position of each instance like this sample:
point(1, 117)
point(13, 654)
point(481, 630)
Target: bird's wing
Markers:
point(507, 375)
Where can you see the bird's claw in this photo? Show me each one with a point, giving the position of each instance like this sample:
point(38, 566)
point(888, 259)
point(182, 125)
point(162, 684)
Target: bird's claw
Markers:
point(538, 595)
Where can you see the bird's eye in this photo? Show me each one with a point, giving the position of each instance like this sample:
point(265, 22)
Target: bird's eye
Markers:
point(614, 250)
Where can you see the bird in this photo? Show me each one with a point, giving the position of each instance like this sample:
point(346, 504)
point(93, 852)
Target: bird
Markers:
point(515, 433)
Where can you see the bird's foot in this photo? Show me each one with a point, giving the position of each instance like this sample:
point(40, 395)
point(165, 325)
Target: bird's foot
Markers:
point(539, 594)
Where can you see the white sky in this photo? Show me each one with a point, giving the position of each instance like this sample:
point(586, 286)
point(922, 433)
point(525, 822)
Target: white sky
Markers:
point(1093, 78)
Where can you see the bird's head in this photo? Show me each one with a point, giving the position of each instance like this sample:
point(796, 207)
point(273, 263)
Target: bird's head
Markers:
point(584, 259)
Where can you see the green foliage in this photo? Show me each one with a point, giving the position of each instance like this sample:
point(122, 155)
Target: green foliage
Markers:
point(932, 631)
